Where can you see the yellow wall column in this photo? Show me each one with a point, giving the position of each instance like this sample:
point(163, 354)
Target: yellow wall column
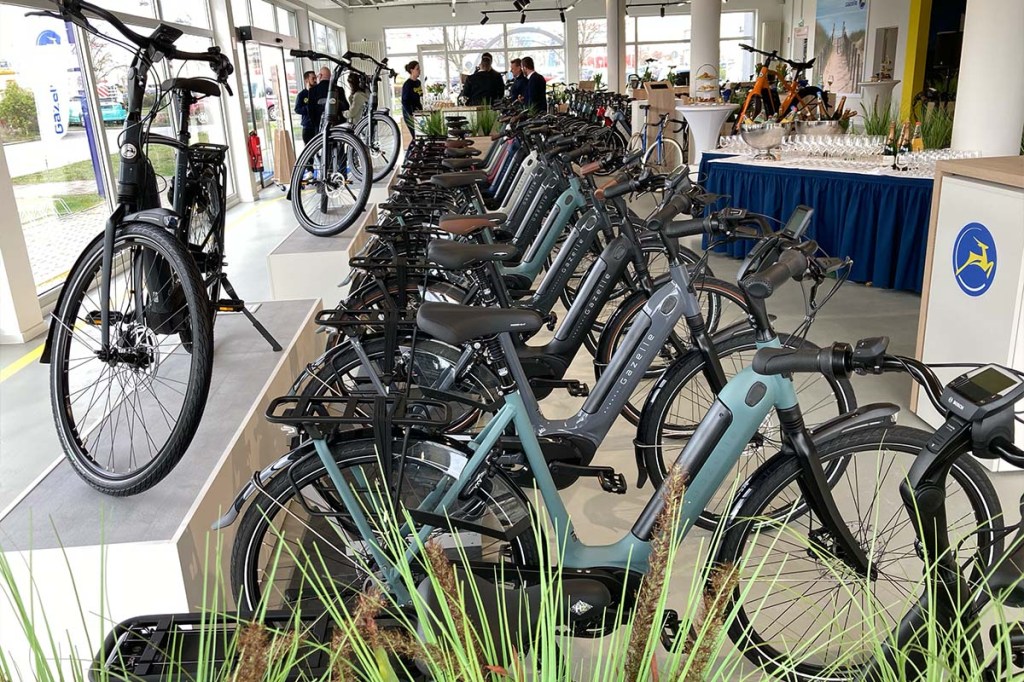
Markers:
point(917, 53)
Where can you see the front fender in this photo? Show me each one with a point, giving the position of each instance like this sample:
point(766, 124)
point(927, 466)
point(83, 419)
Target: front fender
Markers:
point(875, 414)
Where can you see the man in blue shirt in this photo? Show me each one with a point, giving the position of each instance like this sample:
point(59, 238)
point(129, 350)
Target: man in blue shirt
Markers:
point(517, 92)
point(310, 111)
point(536, 88)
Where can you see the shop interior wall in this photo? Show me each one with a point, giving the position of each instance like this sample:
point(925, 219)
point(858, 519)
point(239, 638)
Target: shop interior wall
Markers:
point(369, 24)
point(881, 14)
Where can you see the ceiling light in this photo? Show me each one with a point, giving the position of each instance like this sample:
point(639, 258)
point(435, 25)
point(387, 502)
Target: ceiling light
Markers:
point(522, 18)
point(484, 20)
point(570, 7)
point(561, 15)
point(518, 5)
point(662, 12)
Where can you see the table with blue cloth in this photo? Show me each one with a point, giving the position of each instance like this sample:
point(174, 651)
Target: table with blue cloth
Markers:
point(880, 221)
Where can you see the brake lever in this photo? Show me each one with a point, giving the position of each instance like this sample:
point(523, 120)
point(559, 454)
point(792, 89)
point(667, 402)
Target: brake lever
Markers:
point(46, 13)
point(228, 88)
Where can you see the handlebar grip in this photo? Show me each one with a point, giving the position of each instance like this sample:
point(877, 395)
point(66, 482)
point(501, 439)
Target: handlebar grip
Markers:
point(579, 153)
point(621, 189)
point(301, 53)
point(687, 228)
point(832, 361)
point(680, 203)
point(790, 265)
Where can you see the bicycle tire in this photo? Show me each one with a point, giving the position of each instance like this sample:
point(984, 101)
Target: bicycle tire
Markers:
point(618, 325)
point(687, 374)
point(671, 156)
point(356, 172)
point(772, 481)
point(73, 430)
point(383, 150)
point(246, 563)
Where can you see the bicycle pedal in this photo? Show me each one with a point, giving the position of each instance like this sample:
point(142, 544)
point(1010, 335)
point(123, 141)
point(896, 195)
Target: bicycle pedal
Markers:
point(95, 317)
point(577, 389)
point(612, 482)
point(669, 628)
point(230, 305)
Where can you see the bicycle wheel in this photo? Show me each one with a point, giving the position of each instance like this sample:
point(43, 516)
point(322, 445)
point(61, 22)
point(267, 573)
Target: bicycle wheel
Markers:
point(206, 232)
point(341, 372)
point(300, 521)
point(385, 145)
point(126, 415)
point(804, 614)
point(684, 397)
point(636, 143)
point(722, 305)
point(329, 191)
point(665, 156)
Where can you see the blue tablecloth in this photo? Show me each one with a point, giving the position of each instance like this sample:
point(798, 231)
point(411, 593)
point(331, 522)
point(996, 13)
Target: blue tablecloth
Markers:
point(879, 221)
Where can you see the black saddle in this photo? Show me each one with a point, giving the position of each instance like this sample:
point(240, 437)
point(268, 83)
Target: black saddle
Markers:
point(519, 609)
point(459, 256)
point(459, 164)
point(203, 86)
point(802, 66)
point(456, 324)
point(463, 153)
point(462, 179)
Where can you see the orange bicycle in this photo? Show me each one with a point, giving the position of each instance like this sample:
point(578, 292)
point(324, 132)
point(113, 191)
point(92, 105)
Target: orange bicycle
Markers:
point(764, 99)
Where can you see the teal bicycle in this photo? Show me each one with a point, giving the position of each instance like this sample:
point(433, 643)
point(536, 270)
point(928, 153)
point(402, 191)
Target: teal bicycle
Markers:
point(317, 503)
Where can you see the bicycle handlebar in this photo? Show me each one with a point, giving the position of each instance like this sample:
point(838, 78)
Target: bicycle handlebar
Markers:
point(76, 11)
point(312, 54)
point(792, 263)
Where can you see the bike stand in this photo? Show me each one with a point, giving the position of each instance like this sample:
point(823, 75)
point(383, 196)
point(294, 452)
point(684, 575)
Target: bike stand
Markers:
point(236, 305)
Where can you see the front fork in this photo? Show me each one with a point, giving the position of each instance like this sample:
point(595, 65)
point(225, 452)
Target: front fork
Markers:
point(107, 274)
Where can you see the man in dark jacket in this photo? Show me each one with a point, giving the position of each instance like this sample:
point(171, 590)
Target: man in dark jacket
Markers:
point(485, 86)
point(308, 109)
point(536, 88)
point(517, 91)
point(322, 90)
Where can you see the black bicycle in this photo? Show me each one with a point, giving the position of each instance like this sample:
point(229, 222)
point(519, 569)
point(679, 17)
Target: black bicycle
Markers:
point(378, 131)
point(130, 345)
point(332, 176)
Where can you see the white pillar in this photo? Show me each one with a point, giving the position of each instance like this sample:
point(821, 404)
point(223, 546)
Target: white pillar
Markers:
point(990, 97)
point(705, 29)
point(20, 317)
point(615, 11)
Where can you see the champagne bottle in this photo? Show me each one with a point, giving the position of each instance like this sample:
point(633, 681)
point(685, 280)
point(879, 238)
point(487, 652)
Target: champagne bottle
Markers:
point(837, 115)
point(890, 141)
point(917, 144)
point(905, 138)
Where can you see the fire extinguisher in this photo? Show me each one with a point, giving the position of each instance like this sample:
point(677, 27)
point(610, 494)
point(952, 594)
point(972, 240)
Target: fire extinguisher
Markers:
point(255, 153)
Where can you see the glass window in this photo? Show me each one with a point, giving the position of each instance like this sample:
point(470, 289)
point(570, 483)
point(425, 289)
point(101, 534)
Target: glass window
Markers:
point(664, 56)
point(486, 38)
point(286, 22)
point(319, 37)
point(672, 28)
point(333, 41)
point(593, 61)
point(263, 15)
point(142, 8)
point(592, 31)
point(630, 29)
point(536, 34)
point(188, 12)
point(737, 25)
point(406, 40)
point(240, 12)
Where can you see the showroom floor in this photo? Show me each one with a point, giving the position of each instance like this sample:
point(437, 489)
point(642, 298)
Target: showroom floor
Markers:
point(28, 445)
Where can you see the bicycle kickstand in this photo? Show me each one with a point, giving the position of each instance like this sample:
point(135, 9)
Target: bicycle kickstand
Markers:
point(234, 304)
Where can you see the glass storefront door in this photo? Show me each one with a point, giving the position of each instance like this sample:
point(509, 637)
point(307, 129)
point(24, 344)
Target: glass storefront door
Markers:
point(268, 103)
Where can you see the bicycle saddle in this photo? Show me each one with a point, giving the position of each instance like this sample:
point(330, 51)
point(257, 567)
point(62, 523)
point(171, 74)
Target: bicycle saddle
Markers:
point(461, 153)
point(802, 66)
point(456, 324)
point(204, 86)
point(460, 179)
point(465, 225)
point(518, 609)
point(459, 256)
point(459, 164)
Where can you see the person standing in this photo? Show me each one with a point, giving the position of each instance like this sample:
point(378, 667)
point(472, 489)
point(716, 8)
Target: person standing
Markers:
point(360, 96)
point(412, 96)
point(485, 86)
point(517, 91)
point(319, 94)
point(536, 88)
point(306, 108)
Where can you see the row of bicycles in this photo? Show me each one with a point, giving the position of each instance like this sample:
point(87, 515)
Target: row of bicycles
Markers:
point(430, 400)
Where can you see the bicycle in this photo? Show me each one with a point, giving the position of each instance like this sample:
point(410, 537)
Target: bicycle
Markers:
point(664, 153)
point(763, 99)
point(331, 180)
point(130, 345)
point(977, 408)
point(378, 131)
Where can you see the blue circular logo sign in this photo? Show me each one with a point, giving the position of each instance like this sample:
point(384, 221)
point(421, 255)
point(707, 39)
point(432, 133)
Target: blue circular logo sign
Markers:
point(48, 37)
point(974, 259)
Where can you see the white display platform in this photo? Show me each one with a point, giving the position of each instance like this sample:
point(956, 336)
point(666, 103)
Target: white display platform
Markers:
point(96, 560)
point(972, 303)
point(306, 266)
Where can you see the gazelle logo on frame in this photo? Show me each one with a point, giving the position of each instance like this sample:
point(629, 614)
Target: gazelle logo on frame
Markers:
point(974, 259)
